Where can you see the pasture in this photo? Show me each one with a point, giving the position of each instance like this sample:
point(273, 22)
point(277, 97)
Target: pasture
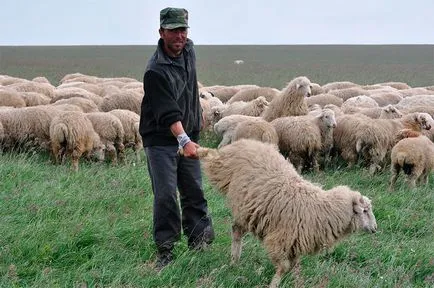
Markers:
point(93, 228)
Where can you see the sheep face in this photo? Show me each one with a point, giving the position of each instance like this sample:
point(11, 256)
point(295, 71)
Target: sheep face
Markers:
point(328, 117)
point(363, 214)
point(391, 112)
point(425, 120)
point(302, 85)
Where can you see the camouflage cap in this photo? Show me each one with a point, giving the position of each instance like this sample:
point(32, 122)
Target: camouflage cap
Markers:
point(172, 18)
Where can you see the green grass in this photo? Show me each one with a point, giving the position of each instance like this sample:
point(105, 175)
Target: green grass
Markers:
point(94, 228)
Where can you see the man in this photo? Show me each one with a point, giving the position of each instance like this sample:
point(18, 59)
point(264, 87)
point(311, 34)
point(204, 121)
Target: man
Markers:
point(171, 118)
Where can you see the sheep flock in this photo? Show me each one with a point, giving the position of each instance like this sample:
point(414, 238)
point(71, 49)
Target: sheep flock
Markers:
point(268, 138)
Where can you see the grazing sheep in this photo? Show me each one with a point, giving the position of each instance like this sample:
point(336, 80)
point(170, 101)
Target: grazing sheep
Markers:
point(6, 80)
point(247, 95)
point(124, 100)
point(93, 88)
point(260, 130)
point(29, 86)
point(290, 101)
point(338, 85)
point(111, 132)
point(376, 137)
point(130, 122)
point(11, 98)
point(288, 214)
point(86, 105)
point(41, 79)
point(304, 138)
point(76, 77)
point(415, 156)
point(415, 91)
point(225, 127)
point(70, 92)
point(415, 101)
point(72, 134)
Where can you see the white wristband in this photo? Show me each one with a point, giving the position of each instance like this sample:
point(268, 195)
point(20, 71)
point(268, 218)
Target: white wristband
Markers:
point(183, 139)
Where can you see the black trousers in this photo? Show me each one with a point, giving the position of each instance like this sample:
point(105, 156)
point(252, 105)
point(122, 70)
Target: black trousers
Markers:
point(169, 171)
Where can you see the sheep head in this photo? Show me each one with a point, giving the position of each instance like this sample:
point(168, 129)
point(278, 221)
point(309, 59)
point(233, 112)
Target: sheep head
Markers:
point(364, 216)
point(328, 117)
point(390, 112)
point(302, 85)
point(424, 119)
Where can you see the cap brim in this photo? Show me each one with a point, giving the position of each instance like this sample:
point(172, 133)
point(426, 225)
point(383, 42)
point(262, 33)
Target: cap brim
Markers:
point(174, 26)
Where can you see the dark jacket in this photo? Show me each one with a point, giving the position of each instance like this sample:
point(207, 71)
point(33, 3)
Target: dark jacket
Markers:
point(171, 94)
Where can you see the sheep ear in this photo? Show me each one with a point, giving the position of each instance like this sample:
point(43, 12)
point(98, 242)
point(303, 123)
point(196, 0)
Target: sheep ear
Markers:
point(297, 86)
point(212, 94)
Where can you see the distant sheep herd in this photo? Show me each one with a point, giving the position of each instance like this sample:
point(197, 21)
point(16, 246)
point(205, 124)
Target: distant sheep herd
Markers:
point(269, 137)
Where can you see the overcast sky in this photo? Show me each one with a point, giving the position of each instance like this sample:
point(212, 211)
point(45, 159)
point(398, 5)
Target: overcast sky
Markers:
point(136, 22)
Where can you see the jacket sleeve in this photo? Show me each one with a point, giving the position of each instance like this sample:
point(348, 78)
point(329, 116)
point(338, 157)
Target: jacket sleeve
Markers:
point(161, 99)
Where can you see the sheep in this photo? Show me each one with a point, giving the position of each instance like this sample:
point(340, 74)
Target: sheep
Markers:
point(130, 121)
point(72, 134)
point(41, 79)
point(10, 97)
point(224, 93)
point(247, 95)
point(260, 130)
point(338, 85)
point(288, 214)
point(124, 100)
point(29, 86)
point(361, 101)
point(348, 93)
point(290, 101)
point(93, 88)
point(396, 85)
point(415, 91)
point(336, 109)
point(6, 80)
point(252, 108)
point(415, 156)
point(28, 127)
point(324, 99)
point(304, 138)
point(412, 101)
point(225, 127)
point(111, 132)
point(35, 98)
point(86, 105)
point(387, 112)
point(73, 77)
point(386, 98)
point(316, 89)
point(238, 62)
point(376, 137)
point(70, 92)
point(213, 101)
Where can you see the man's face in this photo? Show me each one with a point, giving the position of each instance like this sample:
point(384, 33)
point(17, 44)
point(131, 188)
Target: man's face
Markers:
point(174, 40)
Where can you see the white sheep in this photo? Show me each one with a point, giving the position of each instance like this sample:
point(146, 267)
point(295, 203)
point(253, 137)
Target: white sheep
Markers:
point(347, 93)
point(415, 156)
point(126, 99)
point(11, 98)
point(290, 101)
point(72, 134)
point(324, 99)
point(225, 127)
point(112, 134)
point(86, 105)
point(288, 214)
point(338, 85)
point(250, 94)
point(304, 138)
point(257, 129)
point(130, 122)
point(361, 101)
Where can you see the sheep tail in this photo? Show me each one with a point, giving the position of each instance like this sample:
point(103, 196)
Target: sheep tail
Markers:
point(406, 167)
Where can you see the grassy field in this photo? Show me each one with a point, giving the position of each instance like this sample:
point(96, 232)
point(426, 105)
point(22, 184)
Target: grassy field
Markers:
point(93, 228)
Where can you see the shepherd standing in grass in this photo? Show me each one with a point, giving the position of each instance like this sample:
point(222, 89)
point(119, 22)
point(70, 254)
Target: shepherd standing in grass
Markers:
point(170, 118)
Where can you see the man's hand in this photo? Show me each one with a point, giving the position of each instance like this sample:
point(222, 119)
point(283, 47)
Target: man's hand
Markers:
point(190, 150)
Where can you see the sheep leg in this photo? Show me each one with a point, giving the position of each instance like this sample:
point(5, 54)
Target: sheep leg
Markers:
point(75, 155)
point(55, 153)
point(111, 152)
point(237, 235)
point(424, 177)
point(315, 163)
point(120, 149)
point(282, 267)
point(136, 149)
point(395, 174)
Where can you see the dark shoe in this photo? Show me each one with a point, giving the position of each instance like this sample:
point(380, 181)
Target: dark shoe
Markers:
point(203, 241)
point(163, 259)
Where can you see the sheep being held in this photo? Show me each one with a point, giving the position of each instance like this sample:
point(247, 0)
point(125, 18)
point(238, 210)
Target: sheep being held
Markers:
point(287, 213)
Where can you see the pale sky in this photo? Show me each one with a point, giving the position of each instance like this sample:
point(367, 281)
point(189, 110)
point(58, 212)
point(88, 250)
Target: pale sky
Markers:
point(225, 22)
